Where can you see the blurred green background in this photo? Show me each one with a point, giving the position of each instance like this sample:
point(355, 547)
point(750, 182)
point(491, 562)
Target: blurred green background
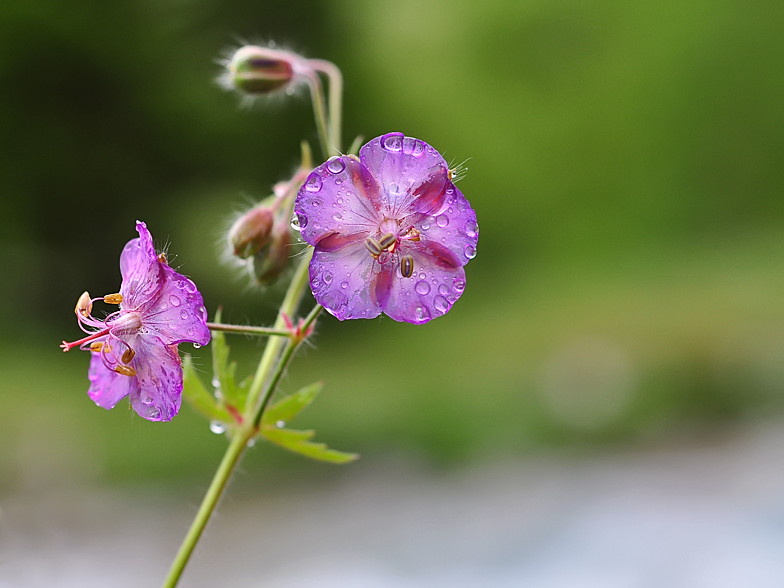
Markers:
point(626, 169)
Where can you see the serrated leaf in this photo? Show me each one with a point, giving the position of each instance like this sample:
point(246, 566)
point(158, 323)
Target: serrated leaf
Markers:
point(224, 371)
point(290, 406)
point(197, 396)
point(297, 441)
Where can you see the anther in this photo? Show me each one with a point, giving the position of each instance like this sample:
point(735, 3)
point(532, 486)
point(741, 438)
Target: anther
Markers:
point(125, 370)
point(406, 266)
point(96, 346)
point(387, 241)
point(128, 355)
point(84, 305)
point(162, 258)
point(373, 246)
point(113, 298)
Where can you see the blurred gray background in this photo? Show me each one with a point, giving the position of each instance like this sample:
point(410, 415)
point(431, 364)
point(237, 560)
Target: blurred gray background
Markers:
point(604, 405)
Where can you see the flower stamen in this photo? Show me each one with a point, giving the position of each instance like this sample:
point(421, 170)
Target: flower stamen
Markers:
point(406, 266)
point(65, 346)
point(374, 247)
point(113, 298)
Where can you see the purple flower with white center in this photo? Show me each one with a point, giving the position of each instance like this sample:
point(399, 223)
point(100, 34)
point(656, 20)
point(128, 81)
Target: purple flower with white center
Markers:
point(134, 350)
point(391, 232)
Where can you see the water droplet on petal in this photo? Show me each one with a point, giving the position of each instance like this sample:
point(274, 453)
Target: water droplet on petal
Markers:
point(313, 183)
point(174, 300)
point(337, 216)
point(344, 285)
point(470, 251)
point(190, 286)
point(335, 165)
point(458, 285)
point(443, 289)
point(471, 229)
point(217, 427)
point(327, 277)
point(422, 288)
point(154, 413)
point(298, 221)
point(340, 201)
point(196, 346)
point(442, 220)
point(424, 225)
point(441, 304)
point(392, 143)
point(145, 398)
point(421, 313)
point(183, 315)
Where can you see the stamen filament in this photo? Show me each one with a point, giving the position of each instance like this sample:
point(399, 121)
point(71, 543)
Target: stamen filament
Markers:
point(65, 346)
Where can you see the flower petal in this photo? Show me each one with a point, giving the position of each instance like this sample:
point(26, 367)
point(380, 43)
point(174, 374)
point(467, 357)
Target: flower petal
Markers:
point(336, 199)
point(141, 270)
point(341, 281)
point(437, 282)
point(159, 372)
point(410, 172)
point(177, 314)
point(454, 226)
point(107, 388)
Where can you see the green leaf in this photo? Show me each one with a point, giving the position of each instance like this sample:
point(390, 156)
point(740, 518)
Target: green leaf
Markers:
point(224, 371)
point(290, 406)
point(297, 441)
point(197, 396)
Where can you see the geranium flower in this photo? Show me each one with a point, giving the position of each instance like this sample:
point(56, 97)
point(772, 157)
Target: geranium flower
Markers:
point(391, 232)
point(134, 350)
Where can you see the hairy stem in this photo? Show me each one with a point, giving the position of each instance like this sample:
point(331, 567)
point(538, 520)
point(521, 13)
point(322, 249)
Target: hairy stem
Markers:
point(335, 77)
point(248, 330)
point(320, 112)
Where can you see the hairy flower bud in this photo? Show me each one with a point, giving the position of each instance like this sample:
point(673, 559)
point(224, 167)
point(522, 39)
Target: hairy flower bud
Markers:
point(251, 232)
point(269, 262)
point(259, 70)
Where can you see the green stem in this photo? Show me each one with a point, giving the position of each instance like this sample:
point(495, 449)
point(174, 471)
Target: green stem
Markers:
point(320, 112)
point(280, 369)
point(332, 72)
point(248, 330)
point(217, 486)
point(247, 431)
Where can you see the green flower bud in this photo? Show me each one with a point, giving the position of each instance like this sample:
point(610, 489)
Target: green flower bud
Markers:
point(251, 232)
point(269, 262)
point(260, 70)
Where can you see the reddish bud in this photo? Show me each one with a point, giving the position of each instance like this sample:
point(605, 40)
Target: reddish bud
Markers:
point(251, 232)
point(260, 70)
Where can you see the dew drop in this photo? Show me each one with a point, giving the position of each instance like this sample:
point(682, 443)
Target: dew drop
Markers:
point(196, 346)
point(174, 300)
point(470, 251)
point(298, 221)
point(153, 413)
point(337, 216)
point(280, 424)
point(340, 201)
point(443, 289)
point(422, 288)
point(392, 142)
point(422, 313)
point(145, 398)
point(327, 277)
point(335, 165)
point(421, 276)
point(183, 315)
point(441, 304)
point(202, 313)
point(344, 285)
point(313, 183)
point(251, 442)
point(217, 427)
point(471, 229)
point(458, 285)
point(442, 220)
point(190, 286)
point(425, 225)
point(215, 383)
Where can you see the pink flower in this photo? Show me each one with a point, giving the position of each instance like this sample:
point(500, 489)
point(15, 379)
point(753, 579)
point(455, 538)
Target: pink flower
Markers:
point(391, 232)
point(134, 350)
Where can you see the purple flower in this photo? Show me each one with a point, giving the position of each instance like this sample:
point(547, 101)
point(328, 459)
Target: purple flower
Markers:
point(134, 350)
point(391, 232)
